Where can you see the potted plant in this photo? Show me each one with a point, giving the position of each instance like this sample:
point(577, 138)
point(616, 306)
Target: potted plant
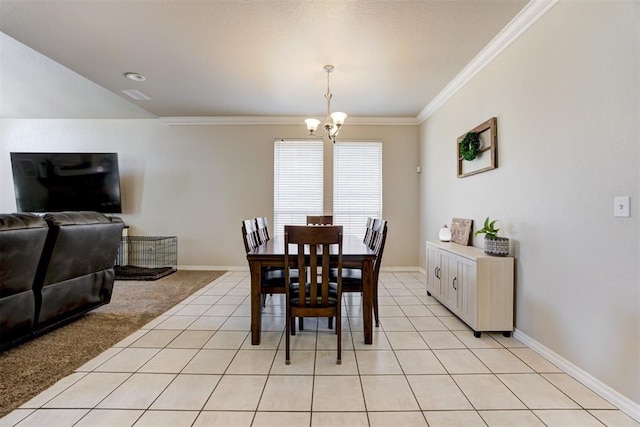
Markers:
point(493, 245)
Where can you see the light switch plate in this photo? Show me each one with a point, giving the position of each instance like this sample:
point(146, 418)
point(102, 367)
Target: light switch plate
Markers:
point(621, 206)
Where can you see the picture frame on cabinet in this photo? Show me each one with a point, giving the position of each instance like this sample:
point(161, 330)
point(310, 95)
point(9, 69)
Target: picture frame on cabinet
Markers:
point(461, 230)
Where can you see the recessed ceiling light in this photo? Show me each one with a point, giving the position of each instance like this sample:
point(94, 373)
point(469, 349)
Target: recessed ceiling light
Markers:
point(135, 77)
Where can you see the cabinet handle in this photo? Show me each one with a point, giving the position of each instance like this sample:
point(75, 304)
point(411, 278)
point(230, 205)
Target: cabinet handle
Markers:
point(437, 272)
point(454, 283)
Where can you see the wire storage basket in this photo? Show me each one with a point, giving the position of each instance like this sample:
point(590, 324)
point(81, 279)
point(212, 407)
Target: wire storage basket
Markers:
point(146, 257)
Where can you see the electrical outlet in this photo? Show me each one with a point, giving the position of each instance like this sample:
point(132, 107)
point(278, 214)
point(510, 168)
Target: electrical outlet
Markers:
point(621, 206)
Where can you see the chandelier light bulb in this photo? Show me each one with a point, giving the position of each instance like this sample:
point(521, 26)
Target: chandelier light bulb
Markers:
point(312, 125)
point(338, 117)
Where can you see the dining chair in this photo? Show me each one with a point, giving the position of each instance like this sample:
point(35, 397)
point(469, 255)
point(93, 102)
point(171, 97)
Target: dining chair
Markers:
point(250, 234)
point(319, 219)
point(352, 277)
point(380, 238)
point(271, 280)
point(318, 297)
point(367, 240)
point(263, 229)
point(272, 273)
point(353, 273)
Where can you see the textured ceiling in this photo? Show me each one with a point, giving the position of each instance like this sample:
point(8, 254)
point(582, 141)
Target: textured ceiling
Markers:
point(257, 58)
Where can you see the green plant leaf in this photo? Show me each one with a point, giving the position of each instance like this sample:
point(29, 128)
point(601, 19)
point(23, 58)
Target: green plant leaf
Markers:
point(489, 229)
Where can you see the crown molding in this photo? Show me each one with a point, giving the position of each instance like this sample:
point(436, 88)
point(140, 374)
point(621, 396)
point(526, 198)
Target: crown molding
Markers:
point(280, 120)
point(533, 11)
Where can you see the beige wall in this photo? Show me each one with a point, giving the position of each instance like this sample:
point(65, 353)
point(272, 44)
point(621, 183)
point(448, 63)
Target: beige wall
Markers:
point(199, 182)
point(566, 95)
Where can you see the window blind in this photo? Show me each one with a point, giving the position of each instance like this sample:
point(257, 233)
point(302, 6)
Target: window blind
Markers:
point(357, 184)
point(298, 182)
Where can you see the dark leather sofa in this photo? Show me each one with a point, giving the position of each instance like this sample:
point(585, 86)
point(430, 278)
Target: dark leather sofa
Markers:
point(52, 269)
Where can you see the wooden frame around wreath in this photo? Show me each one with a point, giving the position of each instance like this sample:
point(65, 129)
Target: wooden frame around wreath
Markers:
point(488, 132)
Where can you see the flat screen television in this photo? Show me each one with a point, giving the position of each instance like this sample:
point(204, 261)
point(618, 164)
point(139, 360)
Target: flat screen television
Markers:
point(56, 182)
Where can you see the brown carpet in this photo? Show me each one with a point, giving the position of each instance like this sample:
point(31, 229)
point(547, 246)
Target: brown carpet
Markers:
point(30, 368)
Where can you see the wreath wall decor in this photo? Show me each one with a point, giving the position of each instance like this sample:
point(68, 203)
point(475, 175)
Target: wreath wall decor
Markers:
point(473, 144)
point(470, 145)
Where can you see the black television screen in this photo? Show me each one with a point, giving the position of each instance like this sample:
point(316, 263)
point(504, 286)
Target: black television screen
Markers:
point(55, 182)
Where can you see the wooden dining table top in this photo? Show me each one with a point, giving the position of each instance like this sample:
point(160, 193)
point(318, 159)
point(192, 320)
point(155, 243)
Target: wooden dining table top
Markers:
point(352, 247)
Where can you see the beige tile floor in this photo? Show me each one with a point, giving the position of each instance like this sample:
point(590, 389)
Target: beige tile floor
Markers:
point(195, 366)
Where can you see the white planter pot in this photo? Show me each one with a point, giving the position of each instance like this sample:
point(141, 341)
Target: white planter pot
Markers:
point(498, 246)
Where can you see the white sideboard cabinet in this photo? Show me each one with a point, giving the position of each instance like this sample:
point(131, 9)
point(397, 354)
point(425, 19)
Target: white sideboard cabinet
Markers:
point(476, 287)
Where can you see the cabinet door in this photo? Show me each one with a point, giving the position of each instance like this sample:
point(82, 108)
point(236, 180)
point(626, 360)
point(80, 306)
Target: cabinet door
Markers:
point(466, 288)
point(448, 280)
point(433, 267)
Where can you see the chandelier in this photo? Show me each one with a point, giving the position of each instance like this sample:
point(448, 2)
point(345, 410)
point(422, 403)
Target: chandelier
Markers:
point(334, 121)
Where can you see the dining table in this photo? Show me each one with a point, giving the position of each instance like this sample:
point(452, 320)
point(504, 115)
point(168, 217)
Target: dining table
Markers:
point(355, 254)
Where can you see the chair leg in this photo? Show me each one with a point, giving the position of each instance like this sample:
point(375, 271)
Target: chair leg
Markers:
point(292, 326)
point(339, 333)
point(287, 356)
point(330, 322)
point(375, 306)
point(301, 323)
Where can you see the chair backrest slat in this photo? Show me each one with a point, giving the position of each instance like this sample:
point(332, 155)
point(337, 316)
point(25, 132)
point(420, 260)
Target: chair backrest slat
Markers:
point(302, 272)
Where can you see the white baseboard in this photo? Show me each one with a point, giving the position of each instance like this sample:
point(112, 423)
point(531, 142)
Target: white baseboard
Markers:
point(214, 268)
point(620, 401)
point(246, 268)
point(399, 269)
